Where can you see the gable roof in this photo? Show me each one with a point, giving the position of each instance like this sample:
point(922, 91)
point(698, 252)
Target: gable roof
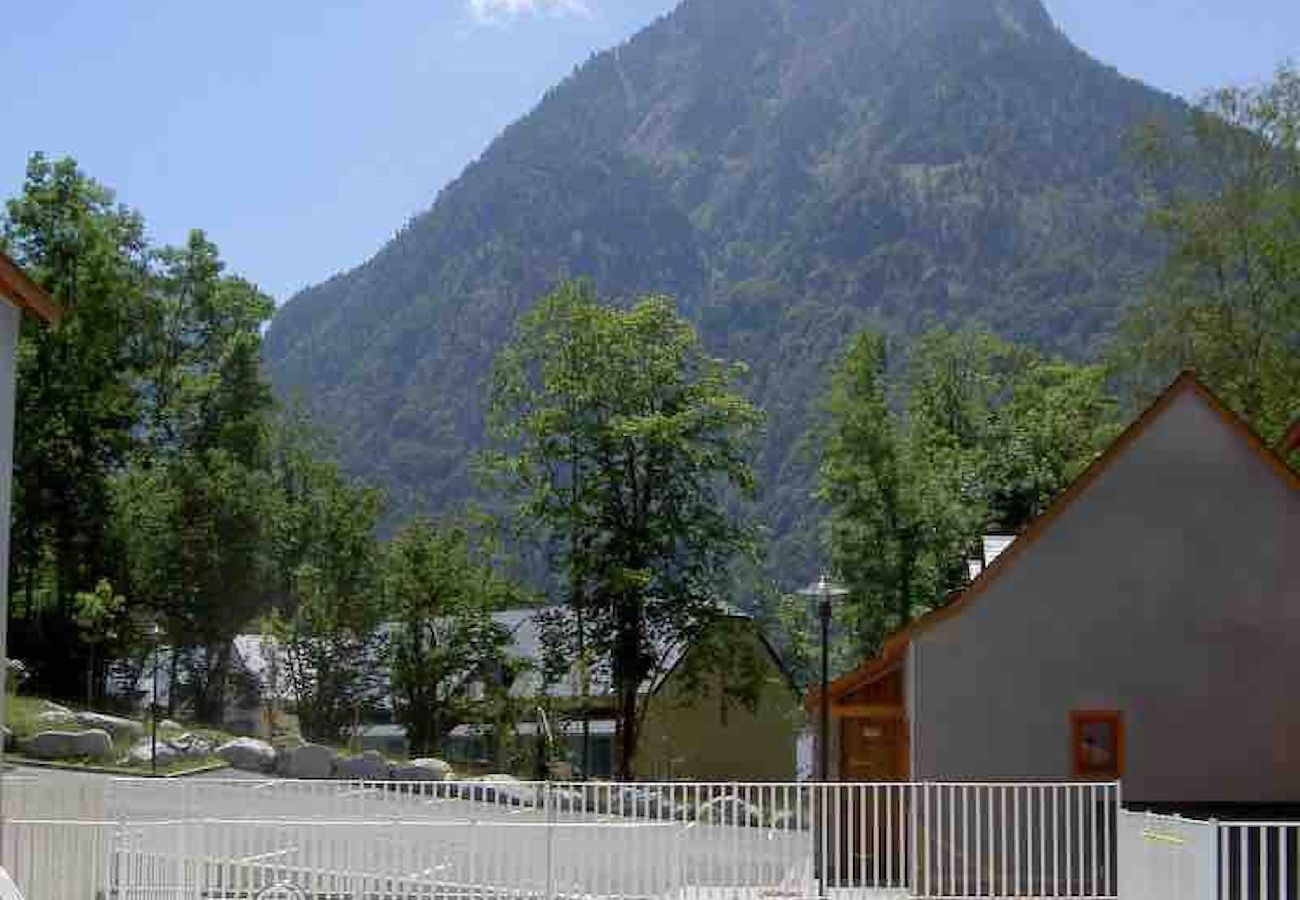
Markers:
point(1290, 442)
point(21, 291)
point(527, 642)
point(891, 653)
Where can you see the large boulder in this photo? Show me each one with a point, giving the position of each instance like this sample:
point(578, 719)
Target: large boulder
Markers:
point(142, 753)
point(114, 725)
point(94, 744)
point(369, 766)
point(53, 718)
point(309, 761)
point(191, 745)
point(422, 770)
point(248, 754)
point(500, 788)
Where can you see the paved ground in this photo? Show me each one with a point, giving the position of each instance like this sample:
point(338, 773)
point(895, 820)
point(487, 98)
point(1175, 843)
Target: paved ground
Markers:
point(249, 829)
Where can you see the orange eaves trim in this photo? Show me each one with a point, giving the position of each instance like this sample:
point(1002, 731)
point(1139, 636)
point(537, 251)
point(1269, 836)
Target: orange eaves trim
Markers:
point(1290, 442)
point(872, 670)
point(19, 289)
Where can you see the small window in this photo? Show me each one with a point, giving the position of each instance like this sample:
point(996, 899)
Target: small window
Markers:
point(1097, 743)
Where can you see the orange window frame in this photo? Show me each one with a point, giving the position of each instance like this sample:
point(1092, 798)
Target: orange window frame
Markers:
point(1079, 720)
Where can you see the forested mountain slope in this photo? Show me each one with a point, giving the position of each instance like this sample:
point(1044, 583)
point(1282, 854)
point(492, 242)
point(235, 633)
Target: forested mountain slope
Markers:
point(790, 170)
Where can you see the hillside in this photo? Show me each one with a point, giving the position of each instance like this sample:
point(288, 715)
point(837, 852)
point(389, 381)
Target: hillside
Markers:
point(790, 170)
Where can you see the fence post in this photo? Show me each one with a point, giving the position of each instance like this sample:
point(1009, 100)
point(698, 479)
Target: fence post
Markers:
point(548, 805)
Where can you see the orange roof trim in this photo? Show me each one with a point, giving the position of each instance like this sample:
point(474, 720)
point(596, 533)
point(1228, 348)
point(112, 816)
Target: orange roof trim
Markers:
point(19, 289)
point(1290, 442)
point(1187, 381)
point(870, 671)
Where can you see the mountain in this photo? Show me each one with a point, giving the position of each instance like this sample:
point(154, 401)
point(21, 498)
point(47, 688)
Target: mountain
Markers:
point(790, 171)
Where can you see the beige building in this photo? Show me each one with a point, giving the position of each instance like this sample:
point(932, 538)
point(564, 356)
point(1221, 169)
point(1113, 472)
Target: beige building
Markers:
point(738, 726)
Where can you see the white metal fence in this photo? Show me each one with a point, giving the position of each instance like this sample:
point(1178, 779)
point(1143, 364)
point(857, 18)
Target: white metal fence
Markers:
point(1258, 860)
point(1175, 858)
point(147, 840)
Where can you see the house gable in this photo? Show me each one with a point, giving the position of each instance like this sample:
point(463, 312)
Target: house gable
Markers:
point(1163, 585)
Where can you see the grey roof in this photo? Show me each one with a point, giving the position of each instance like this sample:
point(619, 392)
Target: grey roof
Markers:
point(382, 731)
point(526, 643)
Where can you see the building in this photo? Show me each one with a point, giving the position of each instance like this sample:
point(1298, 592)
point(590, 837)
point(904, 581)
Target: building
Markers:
point(734, 721)
point(19, 294)
point(1144, 628)
point(693, 730)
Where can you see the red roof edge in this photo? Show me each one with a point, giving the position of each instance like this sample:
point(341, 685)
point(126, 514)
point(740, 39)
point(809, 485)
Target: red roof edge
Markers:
point(1290, 442)
point(17, 287)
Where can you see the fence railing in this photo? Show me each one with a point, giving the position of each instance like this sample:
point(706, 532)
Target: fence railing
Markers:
point(1258, 860)
point(1167, 857)
point(139, 838)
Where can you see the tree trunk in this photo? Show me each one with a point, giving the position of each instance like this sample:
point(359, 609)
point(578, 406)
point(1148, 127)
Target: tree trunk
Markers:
point(627, 681)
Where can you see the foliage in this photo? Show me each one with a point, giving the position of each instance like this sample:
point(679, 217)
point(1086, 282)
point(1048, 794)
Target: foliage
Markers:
point(140, 443)
point(1227, 302)
point(987, 434)
point(624, 444)
point(328, 629)
point(440, 594)
point(76, 403)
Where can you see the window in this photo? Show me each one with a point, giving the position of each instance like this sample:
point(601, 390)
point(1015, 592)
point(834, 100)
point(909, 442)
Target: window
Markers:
point(1097, 743)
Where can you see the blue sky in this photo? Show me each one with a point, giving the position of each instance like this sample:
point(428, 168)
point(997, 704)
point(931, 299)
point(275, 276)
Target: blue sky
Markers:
point(302, 135)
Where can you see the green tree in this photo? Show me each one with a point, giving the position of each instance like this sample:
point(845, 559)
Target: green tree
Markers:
point(898, 526)
point(625, 446)
point(444, 645)
point(99, 615)
point(980, 434)
point(77, 402)
point(195, 507)
point(1227, 303)
point(327, 568)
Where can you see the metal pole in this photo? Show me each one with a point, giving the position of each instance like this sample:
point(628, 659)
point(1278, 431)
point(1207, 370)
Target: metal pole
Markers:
point(824, 742)
point(153, 744)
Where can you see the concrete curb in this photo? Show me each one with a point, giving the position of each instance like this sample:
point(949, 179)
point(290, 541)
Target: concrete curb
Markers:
point(11, 761)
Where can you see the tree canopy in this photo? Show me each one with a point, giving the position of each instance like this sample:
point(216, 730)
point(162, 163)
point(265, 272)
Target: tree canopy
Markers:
point(626, 445)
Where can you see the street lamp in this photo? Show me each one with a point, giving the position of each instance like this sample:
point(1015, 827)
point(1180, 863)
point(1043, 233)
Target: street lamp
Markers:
point(825, 591)
point(155, 631)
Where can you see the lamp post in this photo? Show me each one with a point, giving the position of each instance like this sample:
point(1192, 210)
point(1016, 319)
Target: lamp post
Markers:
point(825, 591)
point(156, 632)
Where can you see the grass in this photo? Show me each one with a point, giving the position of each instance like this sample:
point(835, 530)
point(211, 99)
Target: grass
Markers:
point(22, 716)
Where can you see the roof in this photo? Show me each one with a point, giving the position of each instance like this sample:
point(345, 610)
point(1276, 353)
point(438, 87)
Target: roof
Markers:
point(891, 654)
point(1290, 442)
point(526, 642)
point(381, 731)
point(21, 291)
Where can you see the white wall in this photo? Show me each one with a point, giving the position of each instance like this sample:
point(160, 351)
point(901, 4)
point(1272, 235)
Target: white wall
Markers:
point(1169, 590)
point(10, 322)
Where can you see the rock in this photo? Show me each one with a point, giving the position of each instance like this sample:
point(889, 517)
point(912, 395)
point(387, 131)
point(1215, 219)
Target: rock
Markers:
point(55, 717)
point(171, 725)
point(95, 744)
point(142, 753)
point(369, 766)
point(422, 770)
point(248, 754)
point(310, 761)
point(499, 788)
point(191, 745)
point(51, 706)
point(114, 725)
